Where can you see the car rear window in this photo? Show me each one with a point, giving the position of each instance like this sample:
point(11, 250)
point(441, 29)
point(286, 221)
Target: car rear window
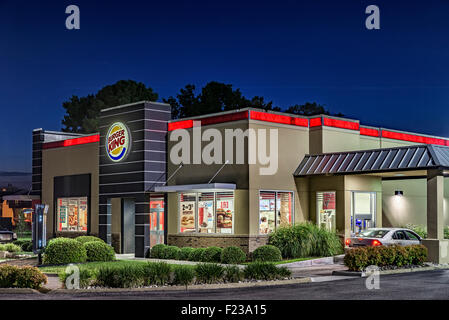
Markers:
point(374, 233)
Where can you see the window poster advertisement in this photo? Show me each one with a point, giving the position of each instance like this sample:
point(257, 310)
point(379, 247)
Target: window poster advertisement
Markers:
point(73, 215)
point(206, 216)
point(188, 216)
point(62, 212)
point(82, 215)
point(224, 215)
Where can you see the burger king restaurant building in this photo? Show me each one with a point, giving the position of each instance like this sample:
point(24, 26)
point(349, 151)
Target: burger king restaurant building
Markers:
point(135, 184)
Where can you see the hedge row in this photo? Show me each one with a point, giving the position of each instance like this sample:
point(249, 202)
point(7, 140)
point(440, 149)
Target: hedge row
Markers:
point(10, 247)
point(161, 273)
point(81, 249)
point(21, 277)
point(358, 259)
point(229, 255)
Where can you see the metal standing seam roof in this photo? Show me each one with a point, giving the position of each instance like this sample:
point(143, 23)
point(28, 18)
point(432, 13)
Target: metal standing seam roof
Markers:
point(377, 160)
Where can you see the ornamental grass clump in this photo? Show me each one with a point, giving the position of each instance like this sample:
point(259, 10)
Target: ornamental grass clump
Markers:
point(305, 240)
point(184, 275)
point(209, 272)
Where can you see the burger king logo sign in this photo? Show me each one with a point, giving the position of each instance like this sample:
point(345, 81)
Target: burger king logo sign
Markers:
point(117, 142)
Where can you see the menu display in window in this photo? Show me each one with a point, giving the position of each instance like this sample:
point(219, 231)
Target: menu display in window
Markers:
point(72, 214)
point(187, 216)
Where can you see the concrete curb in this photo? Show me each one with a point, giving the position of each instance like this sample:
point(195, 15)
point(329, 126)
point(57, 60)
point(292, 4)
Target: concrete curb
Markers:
point(190, 288)
point(314, 262)
point(386, 272)
point(18, 291)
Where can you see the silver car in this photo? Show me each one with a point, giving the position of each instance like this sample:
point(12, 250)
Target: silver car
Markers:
point(384, 237)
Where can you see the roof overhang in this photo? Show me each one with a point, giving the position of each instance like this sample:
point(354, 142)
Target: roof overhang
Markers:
point(196, 187)
point(376, 161)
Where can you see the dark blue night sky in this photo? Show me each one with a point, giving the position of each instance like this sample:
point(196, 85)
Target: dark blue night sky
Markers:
point(287, 51)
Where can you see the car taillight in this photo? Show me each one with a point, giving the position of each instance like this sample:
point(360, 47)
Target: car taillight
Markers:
point(376, 243)
point(348, 242)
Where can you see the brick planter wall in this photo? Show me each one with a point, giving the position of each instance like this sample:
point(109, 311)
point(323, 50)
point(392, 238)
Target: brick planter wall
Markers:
point(246, 243)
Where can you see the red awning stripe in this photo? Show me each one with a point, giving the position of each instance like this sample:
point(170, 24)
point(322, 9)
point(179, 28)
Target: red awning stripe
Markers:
point(315, 122)
point(71, 142)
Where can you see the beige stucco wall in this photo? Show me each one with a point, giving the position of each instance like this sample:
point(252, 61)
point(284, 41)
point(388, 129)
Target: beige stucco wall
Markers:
point(80, 159)
point(292, 147)
point(412, 206)
point(343, 186)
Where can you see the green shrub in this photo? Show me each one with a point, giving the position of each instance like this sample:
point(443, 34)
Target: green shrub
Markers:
point(26, 245)
point(157, 251)
point(184, 275)
point(305, 240)
point(7, 276)
point(267, 253)
point(21, 277)
point(170, 252)
point(233, 274)
point(284, 272)
point(84, 239)
point(99, 251)
point(358, 259)
point(30, 277)
point(209, 272)
point(156, 273)
point(196, 254)
point(264, 271)
point(64, 251)
point(233, 255)
point(126, 276)
point(11, 247)
point(185, 253)
point(85, 277)
point(211, 254)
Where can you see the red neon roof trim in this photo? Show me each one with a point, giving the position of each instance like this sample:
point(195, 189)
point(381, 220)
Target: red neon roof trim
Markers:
point(224, 118)
point(278, 118)
point(412, 138)
point(184, 124)
point(341, 124)
point(315, 122)
point(71, 142)
point(369, 132)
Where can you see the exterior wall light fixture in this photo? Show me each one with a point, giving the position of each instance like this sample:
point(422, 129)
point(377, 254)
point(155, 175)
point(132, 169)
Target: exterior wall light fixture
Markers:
point(399, 193)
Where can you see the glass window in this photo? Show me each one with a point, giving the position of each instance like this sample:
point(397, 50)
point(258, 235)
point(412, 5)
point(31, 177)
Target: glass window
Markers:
point(379, 233)
point(363, 211)
point(72, 214)
point(284, 208)
point(206, 220)
point(187, 212)
point(207, 212)
point(275, 210)
point(225, 212)
point(267, 212)
point(326, 209)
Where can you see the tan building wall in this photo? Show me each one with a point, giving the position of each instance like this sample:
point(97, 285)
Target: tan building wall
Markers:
point(80, 159)
point(411, 208)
